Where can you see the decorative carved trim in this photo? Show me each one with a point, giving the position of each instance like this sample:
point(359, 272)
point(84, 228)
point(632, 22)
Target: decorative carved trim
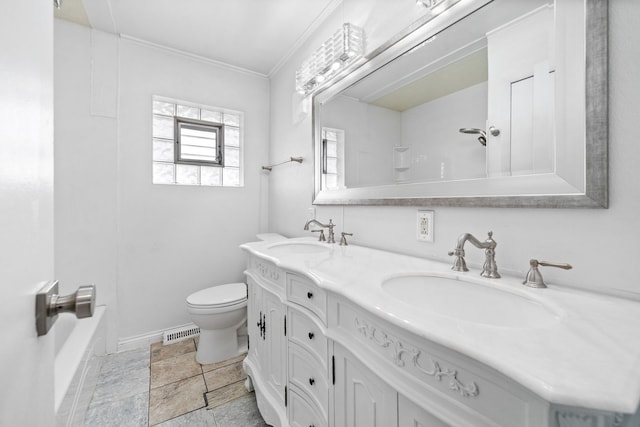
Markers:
point(370, 332)
point(470, 390)
point(267, 272)
point(618, 419)
point(382, 339)
point(578, 419)
point(399, 350)
point(572, 419)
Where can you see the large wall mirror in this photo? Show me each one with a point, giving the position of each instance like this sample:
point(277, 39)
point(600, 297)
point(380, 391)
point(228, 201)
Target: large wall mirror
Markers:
point(492, 103)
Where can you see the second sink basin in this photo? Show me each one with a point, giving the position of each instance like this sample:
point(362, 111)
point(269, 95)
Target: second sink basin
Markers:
point(468, 301)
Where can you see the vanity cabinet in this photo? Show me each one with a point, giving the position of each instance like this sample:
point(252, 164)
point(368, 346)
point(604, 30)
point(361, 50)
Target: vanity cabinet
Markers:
point(320, 356)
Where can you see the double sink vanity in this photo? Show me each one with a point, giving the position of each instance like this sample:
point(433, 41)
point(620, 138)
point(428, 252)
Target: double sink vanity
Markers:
point(353, 336)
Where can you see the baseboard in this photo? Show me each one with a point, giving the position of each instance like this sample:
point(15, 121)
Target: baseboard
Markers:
point(144, 340)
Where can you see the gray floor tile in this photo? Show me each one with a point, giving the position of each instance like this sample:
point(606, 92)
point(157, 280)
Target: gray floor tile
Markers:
point(120, 384)
point(242, 412)
point(127, 360)
point(128, 412)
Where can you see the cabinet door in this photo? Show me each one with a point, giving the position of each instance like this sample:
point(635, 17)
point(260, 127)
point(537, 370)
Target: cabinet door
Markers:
point(410, 415)
point(254, 322)
point(274, 359)
point(361, 398)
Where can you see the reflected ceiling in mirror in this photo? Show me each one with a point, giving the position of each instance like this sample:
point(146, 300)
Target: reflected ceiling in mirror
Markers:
point(490, 105)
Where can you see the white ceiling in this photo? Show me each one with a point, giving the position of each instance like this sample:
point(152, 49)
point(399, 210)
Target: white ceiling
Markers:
point(256, 35)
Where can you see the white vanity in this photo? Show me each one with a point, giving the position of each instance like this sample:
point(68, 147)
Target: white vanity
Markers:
point(351, 336)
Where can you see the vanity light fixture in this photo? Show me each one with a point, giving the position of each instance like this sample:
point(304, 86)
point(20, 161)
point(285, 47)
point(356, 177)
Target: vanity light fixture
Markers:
point(342, 49)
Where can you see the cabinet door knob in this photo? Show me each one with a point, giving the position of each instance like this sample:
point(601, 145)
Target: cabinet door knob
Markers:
point(311, 335)
point(309, 295)
point(312, 381)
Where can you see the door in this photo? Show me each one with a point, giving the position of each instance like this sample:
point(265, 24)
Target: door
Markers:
point(26, 209)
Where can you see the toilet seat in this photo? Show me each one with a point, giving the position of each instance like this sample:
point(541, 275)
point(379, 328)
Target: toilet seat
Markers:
point(223, 296)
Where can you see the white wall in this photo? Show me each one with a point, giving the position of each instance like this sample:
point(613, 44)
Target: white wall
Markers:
point(602, 245)
point(148, 246)
point(85, 174)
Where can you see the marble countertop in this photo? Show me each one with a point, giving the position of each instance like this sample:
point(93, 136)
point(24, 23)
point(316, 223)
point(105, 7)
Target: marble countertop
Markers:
point(587, 356)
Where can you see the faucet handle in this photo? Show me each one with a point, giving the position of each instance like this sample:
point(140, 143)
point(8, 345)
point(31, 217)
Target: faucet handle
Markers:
point(343, 239)
point(321, 238)
point(534, 277)
point(459, 264)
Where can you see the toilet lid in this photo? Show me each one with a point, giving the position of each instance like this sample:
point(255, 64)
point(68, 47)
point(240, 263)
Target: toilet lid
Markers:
point(222, 295)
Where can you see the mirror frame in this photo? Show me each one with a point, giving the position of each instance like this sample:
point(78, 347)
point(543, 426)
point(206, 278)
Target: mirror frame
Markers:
point(595, 193)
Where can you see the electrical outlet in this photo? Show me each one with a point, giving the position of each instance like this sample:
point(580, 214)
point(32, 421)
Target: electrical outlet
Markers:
point(424, 231)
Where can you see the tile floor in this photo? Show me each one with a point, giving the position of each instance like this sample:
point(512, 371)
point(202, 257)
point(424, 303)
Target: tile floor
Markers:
point(164, 386)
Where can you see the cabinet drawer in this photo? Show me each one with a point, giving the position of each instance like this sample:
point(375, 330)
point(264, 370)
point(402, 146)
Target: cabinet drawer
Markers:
point(306, 374)
point(308, 334)
point(302, 291)
point(302, 413)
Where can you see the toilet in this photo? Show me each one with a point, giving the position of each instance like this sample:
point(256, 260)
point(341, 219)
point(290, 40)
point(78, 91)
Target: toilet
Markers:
point(221, 314)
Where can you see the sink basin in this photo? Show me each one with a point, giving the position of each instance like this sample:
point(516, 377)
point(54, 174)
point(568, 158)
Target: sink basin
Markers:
point(292, 248)
point(472, 302)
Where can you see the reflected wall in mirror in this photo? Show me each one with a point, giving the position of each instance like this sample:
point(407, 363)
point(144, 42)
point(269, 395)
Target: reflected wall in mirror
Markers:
point(490, 105)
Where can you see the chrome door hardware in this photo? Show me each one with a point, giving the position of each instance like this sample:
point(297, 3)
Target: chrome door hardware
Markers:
point(534, 278)
point(49, 304)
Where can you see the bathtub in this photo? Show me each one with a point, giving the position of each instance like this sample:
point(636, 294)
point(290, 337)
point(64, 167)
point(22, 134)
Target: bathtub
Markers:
point(78, 345)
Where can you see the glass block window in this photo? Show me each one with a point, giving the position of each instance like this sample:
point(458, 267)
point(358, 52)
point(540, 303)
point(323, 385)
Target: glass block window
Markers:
point(332, 159)
point(196, 144)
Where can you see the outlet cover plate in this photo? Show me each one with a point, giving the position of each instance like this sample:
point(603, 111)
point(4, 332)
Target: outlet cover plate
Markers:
point(425, 226)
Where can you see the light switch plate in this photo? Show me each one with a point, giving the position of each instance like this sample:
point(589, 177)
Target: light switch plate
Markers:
point(424, 226)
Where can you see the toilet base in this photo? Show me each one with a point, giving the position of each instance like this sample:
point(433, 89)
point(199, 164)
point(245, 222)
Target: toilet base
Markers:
point(217, 345)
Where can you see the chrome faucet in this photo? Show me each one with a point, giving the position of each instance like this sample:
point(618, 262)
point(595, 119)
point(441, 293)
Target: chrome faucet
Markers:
point(331, 238)
point(490, 268)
